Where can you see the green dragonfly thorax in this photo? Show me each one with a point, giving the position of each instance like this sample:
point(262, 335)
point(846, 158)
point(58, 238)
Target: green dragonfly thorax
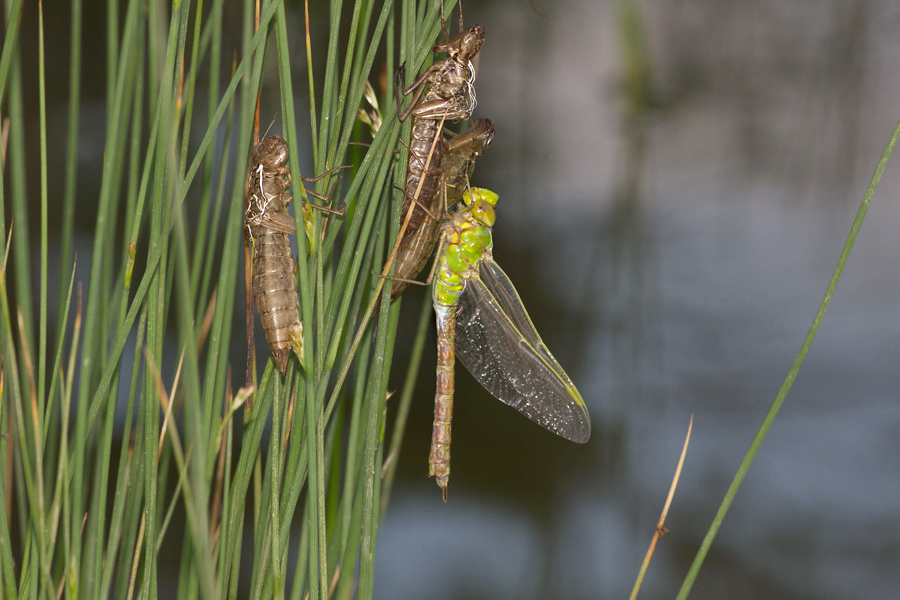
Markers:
point(467, 241)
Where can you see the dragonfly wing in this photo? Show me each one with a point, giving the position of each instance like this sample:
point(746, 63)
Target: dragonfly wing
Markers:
point(278, 222)
point(498, 344)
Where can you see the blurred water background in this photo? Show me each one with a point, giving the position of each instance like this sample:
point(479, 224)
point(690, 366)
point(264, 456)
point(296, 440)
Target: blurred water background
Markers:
point(676, 181)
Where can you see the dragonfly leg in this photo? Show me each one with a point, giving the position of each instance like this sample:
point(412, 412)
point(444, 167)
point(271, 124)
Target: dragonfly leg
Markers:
point(326, 173)
point(272, 122)
point(418, 85)
point(444, 22)
point(437, 260)
point(331, 211)
point(448, 108)
point(413, 154)
point(400, 279)
point(327, 198)
point(445, 46)
point(415, 201)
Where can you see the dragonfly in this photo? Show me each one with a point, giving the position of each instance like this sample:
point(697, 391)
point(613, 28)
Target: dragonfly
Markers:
point(482, 321)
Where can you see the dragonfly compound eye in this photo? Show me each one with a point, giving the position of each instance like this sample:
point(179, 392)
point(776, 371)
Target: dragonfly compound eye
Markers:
point(271, 153)
point(471, 41)
point(474, 195)
point(464, 45)
point(483, 213)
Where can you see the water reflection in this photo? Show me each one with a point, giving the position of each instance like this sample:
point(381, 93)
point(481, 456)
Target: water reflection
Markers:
point(672, 249)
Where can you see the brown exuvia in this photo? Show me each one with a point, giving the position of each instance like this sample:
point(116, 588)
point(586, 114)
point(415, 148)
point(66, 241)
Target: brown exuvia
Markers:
point(444, 92)
point(274, 285)
point(458, 163)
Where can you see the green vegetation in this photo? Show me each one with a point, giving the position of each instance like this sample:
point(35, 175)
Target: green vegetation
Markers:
point(126, 419)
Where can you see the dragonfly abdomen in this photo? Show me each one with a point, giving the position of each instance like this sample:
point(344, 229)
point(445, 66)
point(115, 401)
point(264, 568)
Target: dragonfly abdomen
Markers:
point(424, 164)
point(422, 174)
point(439, 457)
point(275, 291)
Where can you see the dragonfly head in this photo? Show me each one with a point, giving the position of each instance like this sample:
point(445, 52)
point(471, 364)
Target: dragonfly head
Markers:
point(463, 46)
point(271, 153)
point(478, 137)
point(484, 132)
point(481, 202)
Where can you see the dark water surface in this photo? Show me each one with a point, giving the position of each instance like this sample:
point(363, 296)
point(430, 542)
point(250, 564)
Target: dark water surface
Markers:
point(673, 241)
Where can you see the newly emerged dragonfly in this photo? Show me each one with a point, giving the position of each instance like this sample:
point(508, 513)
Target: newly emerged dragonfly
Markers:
point(269, 224)
point(481, 319)
point(459, 155)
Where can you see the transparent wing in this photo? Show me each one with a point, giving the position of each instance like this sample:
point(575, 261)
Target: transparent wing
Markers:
point(497, 342)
